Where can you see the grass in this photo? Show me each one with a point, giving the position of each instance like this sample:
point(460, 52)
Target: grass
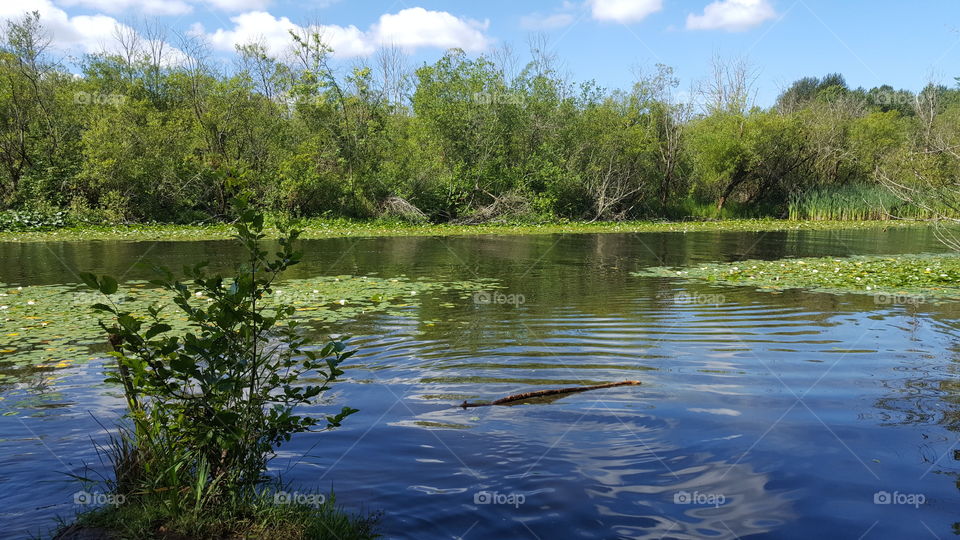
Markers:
point(887, 278)
point(854, 202)
point(325, 228)
point(263, 519)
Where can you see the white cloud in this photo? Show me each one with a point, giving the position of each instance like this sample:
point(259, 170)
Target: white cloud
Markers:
point(257, 26)
point(413, 28)
point(535, 21)
point(239, 5)
point(80, 33)
point(274, 33)
point(85, 32)
point(624, 11)
point(732, 15)
point(410, 29)
point(166, 7)
point(346, 41)
point(146, 7)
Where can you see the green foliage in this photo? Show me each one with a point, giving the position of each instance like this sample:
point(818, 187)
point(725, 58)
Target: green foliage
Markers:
point(261, 518)
point(852, 203)
point(465, 139)
point(210, 404)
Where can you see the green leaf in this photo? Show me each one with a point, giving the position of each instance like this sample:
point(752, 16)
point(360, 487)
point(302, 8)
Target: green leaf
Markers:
point(183, 364)
point(157, 329)
point(90, 280)
point(108, 285)
point(103, 307)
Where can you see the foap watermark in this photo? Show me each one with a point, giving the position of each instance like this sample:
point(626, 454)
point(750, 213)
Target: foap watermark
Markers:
point(91, 298)
point(494, 497)
point(87, 498)
point(496, 98)
point(96, 98)
point(705, 499)
point(891, 98)
point(686, 298)
point(911, 499)
point(886, 299)
point(305, 499)
point(499, 298)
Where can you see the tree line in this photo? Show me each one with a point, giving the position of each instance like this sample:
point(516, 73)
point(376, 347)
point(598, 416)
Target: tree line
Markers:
point(146, 132)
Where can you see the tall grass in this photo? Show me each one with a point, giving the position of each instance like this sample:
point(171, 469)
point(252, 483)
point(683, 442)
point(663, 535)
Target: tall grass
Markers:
point(852, 203)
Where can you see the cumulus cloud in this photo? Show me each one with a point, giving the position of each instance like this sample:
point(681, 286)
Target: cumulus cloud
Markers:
point(88, 33)
point(239, 5)
point(80, 33)
point(165, 7)
point(732, 15)
point(535, 21)
point(624, 11)
point(146, 7)
point(274, 34)
point(413, 28)
point(410, 29)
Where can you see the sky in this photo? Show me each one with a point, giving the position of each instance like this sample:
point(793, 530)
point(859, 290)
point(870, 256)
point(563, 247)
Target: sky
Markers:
point(904, 44)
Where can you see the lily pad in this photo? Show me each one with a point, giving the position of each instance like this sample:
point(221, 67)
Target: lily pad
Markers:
point(891, 279)
point(52, 326)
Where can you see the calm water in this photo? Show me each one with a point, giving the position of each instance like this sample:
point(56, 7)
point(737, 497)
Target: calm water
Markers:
point(761, 415)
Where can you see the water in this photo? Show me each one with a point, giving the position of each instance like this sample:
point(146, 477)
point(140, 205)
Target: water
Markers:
point(761, 415)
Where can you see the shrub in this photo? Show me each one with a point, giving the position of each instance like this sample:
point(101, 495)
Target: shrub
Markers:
point(210, 406)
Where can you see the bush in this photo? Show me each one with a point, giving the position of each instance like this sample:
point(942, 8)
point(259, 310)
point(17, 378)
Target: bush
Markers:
point(209, 407)
point(111, 209)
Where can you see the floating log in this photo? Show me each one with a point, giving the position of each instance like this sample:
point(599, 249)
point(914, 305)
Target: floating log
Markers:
point(543, 393)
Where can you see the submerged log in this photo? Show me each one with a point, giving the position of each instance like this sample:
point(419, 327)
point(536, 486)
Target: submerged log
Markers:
point(544, 393)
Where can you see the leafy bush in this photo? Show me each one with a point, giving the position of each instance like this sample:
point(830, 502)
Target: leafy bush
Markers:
point(112, 208)
point(209, 407)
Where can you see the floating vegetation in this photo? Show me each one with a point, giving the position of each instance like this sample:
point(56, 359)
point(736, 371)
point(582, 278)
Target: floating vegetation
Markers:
point(339, 228)
point(52, 326)
point(890, 279)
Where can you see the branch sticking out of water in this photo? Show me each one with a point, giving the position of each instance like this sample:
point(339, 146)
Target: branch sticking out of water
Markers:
point(543, 393)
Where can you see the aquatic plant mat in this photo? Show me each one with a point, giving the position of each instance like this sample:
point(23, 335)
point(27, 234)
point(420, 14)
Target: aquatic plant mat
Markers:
point(53, 326)
point(340, 228)
point(913, 278)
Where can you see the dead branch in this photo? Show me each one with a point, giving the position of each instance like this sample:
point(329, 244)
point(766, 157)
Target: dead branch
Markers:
point(543, 393)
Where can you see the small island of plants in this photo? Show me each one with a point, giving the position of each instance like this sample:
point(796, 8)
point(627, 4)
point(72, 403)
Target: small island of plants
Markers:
point(929, 276)
point(208, 406)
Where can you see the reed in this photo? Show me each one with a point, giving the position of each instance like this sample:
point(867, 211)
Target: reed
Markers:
point(854, 202)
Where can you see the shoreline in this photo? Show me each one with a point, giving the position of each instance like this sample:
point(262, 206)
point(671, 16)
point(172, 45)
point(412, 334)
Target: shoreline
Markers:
point(320, 229)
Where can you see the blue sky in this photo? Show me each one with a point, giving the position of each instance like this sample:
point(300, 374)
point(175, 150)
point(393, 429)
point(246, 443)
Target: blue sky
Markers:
point(871, 42)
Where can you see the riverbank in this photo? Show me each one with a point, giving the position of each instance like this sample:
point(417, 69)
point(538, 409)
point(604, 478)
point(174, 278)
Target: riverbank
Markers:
point(318, 228)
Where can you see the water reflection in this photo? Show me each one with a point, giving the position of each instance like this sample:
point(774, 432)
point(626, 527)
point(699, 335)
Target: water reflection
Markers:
point(795, 407)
